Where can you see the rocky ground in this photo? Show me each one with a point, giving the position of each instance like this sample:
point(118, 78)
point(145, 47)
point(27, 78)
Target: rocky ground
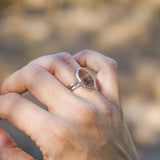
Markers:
point(126, 30)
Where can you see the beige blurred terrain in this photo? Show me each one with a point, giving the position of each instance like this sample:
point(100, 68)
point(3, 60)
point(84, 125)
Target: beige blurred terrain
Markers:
point(126, 30)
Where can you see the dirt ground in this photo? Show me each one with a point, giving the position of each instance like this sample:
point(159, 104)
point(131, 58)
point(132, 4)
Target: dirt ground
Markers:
point(126, 30)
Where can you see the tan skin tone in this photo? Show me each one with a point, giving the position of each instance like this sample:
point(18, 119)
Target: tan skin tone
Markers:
point(81, 125)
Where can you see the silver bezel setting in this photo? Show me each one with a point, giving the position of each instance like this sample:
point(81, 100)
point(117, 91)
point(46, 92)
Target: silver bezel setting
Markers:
point(79, 79)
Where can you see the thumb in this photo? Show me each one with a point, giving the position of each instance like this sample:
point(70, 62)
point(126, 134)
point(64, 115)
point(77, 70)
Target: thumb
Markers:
point(9, 150)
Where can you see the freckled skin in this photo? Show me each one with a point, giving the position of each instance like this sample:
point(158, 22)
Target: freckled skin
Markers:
point(82, 125)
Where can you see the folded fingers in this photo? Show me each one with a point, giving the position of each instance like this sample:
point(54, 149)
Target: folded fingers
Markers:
point(37, 77)
point(47, 78)
point(106, 68)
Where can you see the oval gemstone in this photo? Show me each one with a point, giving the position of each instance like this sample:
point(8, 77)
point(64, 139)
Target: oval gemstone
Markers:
point(85, 78)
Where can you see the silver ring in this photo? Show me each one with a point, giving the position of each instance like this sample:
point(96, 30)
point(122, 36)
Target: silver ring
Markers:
point(83, 78)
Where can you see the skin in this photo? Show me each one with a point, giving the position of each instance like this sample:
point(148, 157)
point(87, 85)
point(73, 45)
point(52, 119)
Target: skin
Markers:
point(82, 125)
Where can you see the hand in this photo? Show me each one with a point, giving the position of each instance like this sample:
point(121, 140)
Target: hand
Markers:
point(81, 125)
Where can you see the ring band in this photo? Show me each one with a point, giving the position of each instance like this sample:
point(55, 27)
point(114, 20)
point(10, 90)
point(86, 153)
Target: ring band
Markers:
point(83, 78)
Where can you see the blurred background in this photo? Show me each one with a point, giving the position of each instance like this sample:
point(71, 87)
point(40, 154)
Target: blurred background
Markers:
point(126, 30)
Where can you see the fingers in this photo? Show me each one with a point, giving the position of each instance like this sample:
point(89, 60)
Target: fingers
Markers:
point(64, 67)
point(50, 132)
point(47, 88)
point(25, 115)
point(42, 85)
point(8, 149)
point(106, 68)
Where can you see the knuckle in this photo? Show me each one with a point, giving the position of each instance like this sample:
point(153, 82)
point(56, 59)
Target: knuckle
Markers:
point(86, 51)
point(87, 114)
point(113, 64)
point(42, 58)
point(64, 56)
point(30, 70)
point(10, 99)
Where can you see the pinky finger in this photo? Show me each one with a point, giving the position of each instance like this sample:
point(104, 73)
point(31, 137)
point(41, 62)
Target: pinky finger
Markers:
point(9, 150)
